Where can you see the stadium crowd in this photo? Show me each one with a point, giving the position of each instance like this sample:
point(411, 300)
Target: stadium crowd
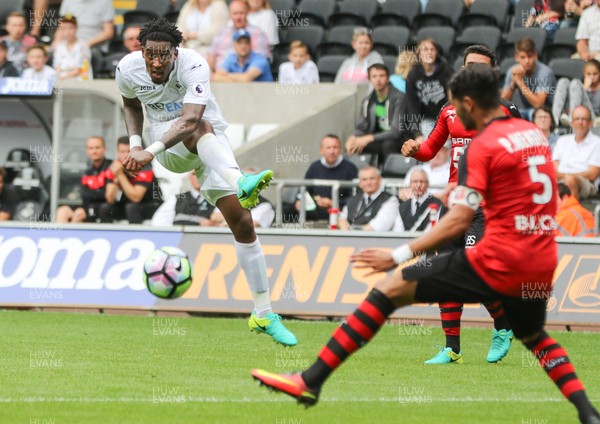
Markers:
point(247, 40)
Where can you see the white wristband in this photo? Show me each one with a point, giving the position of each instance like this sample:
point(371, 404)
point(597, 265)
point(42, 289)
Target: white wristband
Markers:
point(135, 141)
point(156, 147)
point(402, 254)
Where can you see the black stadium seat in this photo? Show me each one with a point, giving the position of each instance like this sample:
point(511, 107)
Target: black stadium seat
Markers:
point(440, 13)
point(328, 67)
point(390, 39)
point(568, 68)
point(490, 36)
point(522, 11)
point(564, 45)
point(137, 17)
point(363, 159)
point(319, 10)
point(346, 18)
point(364, 8)
point(338, 42)
point(390, 62)
point(309, 35)
point(538, 35)
point(486, 12)
point(397, 166)
point(159, 7)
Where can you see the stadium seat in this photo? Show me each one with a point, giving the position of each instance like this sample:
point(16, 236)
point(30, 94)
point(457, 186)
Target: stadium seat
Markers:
point(346, 18)
point(364, 159)
point(16, 160)
point(486, 13)
point(505, 65)
point(390, 62)
point(564, 45)
point(390, 40)
point(280, 55)
point(397, 166)
point(309, 35)
point(365, 9)
point(317, 11)
point(522, 11)
point(172, 16)
point(396, 12)
point(158, 7)
point(568, 68)
point(137, 17)
point(283, 6)
point(490, 36)
point(328, 67)
point(338, 42)
point(9, 6)
point(443, 36)
point(507, 48)
point(458, 62)
point(389, 19)
point(440, 13)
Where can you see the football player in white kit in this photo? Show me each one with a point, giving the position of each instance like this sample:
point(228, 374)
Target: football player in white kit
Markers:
point(186, 132)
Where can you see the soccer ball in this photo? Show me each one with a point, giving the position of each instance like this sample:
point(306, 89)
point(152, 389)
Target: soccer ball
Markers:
point(168, 272)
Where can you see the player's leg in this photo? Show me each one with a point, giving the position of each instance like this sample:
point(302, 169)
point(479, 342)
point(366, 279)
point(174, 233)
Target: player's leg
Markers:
point(79, 215)
point(215, 152)
point(528, 318)
point(449, 277)
point(450, 314)
point(64, 214)
point(252, 260)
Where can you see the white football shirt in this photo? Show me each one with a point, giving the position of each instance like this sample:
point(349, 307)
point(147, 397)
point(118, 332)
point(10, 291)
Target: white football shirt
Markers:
point(189, 82)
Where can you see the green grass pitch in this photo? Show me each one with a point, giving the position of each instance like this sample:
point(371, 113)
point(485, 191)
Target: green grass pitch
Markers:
point(78, 368)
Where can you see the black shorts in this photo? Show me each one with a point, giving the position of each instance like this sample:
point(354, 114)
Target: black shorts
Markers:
point(449, 277)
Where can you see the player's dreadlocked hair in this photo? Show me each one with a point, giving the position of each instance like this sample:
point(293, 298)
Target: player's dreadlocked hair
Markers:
point(478, 81)
point(160, 30)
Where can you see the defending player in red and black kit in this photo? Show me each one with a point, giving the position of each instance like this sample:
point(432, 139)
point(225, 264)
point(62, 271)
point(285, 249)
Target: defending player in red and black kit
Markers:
point(509, 166)
point(448, 126)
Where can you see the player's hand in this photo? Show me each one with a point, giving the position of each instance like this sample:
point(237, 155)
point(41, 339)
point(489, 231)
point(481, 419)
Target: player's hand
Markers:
point(410, 147)
point(378, 260)
point(323, 202)
point(116, 167)
point(137, 159)
point(404, 194)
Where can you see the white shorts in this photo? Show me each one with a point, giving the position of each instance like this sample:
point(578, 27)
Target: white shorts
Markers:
point(180, 160)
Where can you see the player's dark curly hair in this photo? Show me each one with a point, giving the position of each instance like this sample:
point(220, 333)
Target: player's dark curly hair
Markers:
point(476, 82)
point(160, 30)
point(483, 50)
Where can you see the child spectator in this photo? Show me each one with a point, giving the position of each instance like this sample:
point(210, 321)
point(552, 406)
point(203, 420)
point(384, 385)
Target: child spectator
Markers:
point(300, 69)
point(200, 20)
point(37, 57)
point(261, 14)
point(17, 40)
point(354, 69)
point(71, 56)
point(7, 69)
point(404, 64)
point(578, 93)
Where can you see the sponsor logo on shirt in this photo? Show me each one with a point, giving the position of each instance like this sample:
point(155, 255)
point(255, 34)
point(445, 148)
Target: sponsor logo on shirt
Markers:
point(146, 88)
point(198, 89)
point(167, 107)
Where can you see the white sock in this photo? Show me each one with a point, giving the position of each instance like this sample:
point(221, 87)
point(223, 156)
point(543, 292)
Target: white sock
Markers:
point(252, 261)
point(220, 158)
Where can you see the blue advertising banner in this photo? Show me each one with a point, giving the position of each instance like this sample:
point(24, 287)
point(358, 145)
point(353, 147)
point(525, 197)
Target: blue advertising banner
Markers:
point(10, 86)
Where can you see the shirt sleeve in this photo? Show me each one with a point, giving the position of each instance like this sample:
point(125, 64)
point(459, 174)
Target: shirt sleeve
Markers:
point(386, 216)
point(583, 30)
point(436, 140)
point(227, 62)
point(508, 79)
point(557, 152)
point(196, 80)
point(108, 14)
point(594, 159)
point(398, 224)
point(123, 83)
point(473, 168)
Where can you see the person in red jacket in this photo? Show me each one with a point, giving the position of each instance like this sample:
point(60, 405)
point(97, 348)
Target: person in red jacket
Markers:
point(449, 126)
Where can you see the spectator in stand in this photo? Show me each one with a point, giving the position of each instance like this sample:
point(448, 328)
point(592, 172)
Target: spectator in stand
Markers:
point(355, 68)
point(577, 156)
point(37, 57)
point(379, 130)
point(200, 21)
point(546, 15)
point(404, 64)
point(187, 208)
point(331, 166)
point(588, 33)
point(71, 56)
point(7, 69)
point(300, 69)
point(572, 219)
point(426, 86)
point(530, 78)
point(262, 15)
point(95, 26)
point(131, 42)
point(573, 11)
point(578, 93)
point(222, 45)
point(132, 198)
point(542, 118)
point(438, 170)
point(8, 198)
point(414, 212)
point(372, 209)
point(17, 40)
point(243, 65)
point(93, 185)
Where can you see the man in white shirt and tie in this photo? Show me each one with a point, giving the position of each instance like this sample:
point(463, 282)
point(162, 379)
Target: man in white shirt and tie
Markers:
point(411, 210)
point(372, 209)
